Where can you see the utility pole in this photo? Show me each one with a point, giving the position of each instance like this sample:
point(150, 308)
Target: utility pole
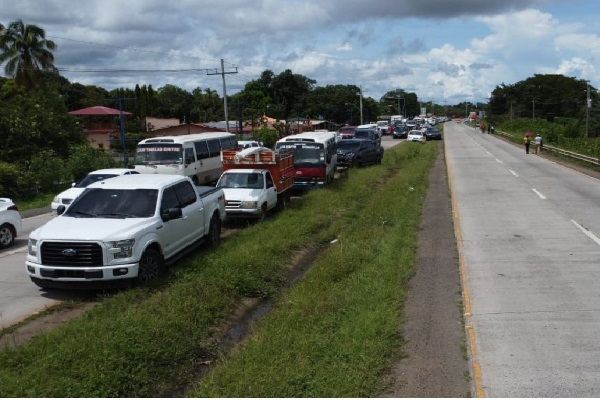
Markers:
point(222, 72)
point(360, 104)
point(122, 126)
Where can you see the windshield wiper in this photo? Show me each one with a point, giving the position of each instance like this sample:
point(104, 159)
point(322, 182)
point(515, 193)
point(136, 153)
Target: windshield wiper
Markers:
point(79, 214)
point(117, 215)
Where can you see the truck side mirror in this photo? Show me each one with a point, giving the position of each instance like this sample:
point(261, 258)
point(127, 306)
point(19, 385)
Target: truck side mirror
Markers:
point(60, 209)
point(171, 213)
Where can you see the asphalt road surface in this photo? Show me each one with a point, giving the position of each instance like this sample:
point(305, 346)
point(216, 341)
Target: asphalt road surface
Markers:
point(527, 231)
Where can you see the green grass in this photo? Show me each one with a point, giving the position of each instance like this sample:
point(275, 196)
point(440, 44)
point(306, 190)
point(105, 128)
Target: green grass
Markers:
point(330, 335)
point(40, 201)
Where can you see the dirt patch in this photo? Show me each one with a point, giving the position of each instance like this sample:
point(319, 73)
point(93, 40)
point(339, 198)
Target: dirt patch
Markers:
point(433, 363)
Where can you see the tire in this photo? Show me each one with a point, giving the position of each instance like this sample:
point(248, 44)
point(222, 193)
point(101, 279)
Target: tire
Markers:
point(263, 213)
point(281, 202)
point(378, 162)
point(152, 267)
point(7, 236)
point(195, 180)
point(214, 231)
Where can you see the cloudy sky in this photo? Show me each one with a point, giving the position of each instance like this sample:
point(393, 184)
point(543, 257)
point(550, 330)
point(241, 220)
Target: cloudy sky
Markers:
point(446, 51)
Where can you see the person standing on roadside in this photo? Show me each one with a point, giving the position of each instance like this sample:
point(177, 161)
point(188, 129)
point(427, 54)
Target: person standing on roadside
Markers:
point(537, 143)
point(527, 141)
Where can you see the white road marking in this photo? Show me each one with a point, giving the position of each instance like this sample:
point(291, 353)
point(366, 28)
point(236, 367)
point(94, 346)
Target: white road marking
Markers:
point(541, 196)
point(587, 232)
point(513, 172)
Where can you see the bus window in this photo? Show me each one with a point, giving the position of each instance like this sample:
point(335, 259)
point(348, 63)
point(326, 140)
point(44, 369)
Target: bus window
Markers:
point(214, 147)
point(201, 150)
point(189, 155)
point(228, 143)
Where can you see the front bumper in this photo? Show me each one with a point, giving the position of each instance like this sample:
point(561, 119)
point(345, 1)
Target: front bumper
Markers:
point(82, 274)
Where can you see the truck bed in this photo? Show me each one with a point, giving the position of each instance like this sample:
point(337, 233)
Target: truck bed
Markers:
point(280, 164)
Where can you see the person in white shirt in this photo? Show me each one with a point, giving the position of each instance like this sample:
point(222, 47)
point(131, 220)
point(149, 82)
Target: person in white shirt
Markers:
point(538, 143)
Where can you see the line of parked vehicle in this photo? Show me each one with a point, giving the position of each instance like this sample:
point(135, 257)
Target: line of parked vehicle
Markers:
point(125, 225)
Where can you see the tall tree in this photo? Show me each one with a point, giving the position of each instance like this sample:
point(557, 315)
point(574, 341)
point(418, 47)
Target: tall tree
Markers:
point(26, 52)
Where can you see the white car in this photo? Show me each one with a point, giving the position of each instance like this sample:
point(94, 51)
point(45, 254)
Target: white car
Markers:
point(10, 222)
point(65, 198)
point(416, 135)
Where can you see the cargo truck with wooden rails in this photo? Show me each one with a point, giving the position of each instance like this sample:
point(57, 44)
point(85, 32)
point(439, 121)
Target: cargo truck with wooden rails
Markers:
point(255, 181)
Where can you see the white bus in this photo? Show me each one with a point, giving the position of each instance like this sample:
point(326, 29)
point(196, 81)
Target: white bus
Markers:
point(197, 155)
point(315, 157)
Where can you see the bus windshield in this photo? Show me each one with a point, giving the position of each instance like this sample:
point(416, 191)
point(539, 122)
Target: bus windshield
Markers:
point(158, 154)
point(305, 153)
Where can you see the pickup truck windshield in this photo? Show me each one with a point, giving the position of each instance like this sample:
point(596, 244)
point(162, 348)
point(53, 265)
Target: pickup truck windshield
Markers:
point(114, 203)
point(241, 181)
point(158, 154)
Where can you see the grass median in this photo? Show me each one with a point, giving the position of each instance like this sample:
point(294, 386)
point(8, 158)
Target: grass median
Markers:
point(332, 334)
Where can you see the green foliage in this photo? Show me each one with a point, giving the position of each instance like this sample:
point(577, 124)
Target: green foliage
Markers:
point(85, 159)
point(9, 180)
point(34, 121)
point(25, 51)
point(44, 171)
point(267, 136)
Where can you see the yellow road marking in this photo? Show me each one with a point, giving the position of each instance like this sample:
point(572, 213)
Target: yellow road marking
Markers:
point(479, 392)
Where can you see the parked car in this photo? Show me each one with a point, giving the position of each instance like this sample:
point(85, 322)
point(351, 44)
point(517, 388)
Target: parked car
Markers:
point(10, 222)
point(400, 131)
point(358, 153)
point(66, 197)
point(383, 127)
point(347, 132)
point(433, 133)
point(416, 135)
point(368, 131)
point(244, 144)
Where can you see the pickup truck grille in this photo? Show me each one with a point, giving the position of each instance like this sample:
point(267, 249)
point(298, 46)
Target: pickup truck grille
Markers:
point(232, 204)
point(72, 254)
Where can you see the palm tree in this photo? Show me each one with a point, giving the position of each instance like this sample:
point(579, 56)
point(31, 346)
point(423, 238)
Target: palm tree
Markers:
point(26, 52)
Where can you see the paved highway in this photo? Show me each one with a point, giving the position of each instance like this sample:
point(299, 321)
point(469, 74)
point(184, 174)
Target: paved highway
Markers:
point(19, 297)
point(527, 230)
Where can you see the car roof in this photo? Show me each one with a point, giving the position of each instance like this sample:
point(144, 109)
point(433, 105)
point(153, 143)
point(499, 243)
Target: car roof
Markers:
point(117, 171)
point(138, 181)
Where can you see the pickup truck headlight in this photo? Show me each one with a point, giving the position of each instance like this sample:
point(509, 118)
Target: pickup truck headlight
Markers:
point(32, 247)
point(56, 199)
point(124, 248)
point(249, 204)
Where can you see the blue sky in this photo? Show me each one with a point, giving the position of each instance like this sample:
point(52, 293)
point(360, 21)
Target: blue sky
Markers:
point(446, 51)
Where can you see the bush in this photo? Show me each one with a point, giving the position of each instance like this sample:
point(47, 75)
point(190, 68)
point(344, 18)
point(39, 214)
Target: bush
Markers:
point(9, 180)
point(85, 159)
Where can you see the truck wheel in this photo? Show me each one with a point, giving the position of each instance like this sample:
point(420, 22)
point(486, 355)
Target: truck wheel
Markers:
point(263, 213)
point(378, 162)
point(152, 267)
point(281, 202)
point(214, 231)
point(7, 236)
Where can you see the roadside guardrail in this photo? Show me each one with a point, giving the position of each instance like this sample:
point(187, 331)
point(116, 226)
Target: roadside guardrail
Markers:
point(558, 150)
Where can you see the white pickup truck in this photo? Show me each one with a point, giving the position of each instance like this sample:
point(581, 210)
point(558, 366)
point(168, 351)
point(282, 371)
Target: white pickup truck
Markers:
point(124, 229)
